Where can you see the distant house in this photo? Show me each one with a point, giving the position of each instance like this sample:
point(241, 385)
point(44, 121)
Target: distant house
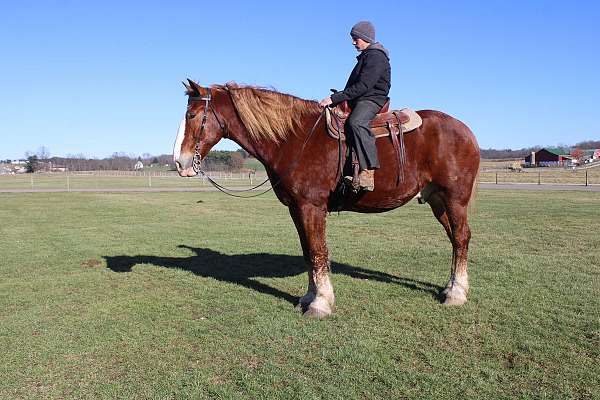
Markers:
point(547, 157)
point(591, 154)
point(138, 165)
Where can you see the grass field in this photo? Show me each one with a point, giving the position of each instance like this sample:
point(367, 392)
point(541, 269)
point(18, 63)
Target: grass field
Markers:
point(543, 176)
point(191, 295)
point(491, 172)
point(126, 179)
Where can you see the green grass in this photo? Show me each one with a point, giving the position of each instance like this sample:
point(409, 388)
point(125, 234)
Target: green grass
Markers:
point(190, 295)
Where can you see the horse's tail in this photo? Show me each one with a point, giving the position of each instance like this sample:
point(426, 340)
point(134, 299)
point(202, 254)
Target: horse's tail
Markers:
point(473, 199)
point(472, 206)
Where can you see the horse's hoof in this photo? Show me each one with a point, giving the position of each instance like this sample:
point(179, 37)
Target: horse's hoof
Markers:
point(455, 300)
point(317, 312)
point(319, 308)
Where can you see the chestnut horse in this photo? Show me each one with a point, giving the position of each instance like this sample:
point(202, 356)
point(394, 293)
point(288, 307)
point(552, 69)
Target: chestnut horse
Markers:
point(287, 135)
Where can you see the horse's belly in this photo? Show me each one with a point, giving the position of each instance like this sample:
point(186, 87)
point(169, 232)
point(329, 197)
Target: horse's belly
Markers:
point(380, 200)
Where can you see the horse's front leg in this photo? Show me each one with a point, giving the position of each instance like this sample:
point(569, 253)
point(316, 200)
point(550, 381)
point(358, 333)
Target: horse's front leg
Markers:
point(310, 223)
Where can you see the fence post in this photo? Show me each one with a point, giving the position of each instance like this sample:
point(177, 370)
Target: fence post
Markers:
point(31, 176)
point(586, 177)
point(149, 180)
point(496, 178)
point(539, 178)
point(68, 184)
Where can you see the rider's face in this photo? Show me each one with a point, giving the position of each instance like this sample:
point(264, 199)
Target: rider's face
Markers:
point(360, 44)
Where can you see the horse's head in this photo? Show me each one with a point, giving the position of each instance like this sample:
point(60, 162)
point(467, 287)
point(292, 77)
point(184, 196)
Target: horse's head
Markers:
point(198, 132)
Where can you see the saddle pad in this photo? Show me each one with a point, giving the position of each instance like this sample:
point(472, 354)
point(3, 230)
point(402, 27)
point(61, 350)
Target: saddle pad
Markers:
point(409, 118)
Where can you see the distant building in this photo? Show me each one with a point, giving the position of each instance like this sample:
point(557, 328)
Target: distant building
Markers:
point(591, 154)
point(547, 157)
point(138, 165)
point(5, 171)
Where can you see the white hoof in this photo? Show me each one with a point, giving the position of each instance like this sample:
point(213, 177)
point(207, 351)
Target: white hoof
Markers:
point(319, 308)
point(455, 296)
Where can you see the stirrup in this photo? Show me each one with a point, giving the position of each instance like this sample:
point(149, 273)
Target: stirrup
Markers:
point(369, 188)
point(354, 184)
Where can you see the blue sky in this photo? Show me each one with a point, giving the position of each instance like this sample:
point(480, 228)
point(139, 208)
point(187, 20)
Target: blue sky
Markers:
point(93, 78)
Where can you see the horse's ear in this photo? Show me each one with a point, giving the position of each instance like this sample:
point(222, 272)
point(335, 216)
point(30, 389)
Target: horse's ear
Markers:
point(196, 90)
point(188, 89)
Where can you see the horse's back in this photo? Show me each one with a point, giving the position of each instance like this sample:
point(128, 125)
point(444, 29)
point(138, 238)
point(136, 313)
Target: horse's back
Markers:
point(442, 151)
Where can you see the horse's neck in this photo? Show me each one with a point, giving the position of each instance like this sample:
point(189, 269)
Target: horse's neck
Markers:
point(278, 155)
point(267, 152)
point(271, 153)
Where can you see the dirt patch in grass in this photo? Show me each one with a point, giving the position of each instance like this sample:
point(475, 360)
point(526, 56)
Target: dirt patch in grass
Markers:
point(91, 263)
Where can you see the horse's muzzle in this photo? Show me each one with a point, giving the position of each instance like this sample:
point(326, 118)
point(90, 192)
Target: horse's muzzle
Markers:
point(184, 167)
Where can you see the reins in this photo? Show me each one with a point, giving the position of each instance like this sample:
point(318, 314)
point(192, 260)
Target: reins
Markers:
point(197, 160)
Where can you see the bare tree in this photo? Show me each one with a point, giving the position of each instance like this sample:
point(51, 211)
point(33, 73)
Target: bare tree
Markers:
point(43, 153)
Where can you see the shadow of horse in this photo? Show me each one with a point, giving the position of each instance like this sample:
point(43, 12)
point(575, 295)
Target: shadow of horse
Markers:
point(240, 269)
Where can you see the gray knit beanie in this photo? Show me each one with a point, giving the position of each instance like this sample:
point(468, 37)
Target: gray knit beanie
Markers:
point(364, 30)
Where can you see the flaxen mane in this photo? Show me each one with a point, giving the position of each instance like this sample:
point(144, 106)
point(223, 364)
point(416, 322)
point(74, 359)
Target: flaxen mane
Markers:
point(267, 114)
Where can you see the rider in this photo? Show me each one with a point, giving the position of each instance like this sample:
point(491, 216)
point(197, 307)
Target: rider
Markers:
point(366, 92)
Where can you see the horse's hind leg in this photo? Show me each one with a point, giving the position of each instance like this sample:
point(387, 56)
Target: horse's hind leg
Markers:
point(310, 223)
point(436, 202)
point(458, 286)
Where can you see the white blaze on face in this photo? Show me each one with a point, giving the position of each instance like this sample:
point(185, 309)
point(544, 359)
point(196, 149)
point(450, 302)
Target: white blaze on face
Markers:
point(179, 140)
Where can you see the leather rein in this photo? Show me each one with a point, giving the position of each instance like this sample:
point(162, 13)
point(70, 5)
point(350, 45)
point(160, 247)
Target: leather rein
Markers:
point(197, 160)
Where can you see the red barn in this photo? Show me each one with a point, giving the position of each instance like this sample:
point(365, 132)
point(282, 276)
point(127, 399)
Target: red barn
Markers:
point(546, 157)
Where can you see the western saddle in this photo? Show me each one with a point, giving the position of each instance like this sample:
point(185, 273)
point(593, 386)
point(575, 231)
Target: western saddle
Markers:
point(386, 121)
point(391, 124)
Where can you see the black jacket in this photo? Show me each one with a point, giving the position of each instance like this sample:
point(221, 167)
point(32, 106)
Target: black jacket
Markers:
point(370, 79)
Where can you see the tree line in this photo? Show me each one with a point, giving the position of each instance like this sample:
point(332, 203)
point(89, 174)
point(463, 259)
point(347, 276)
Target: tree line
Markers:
point(119, 161)
point(218, 160)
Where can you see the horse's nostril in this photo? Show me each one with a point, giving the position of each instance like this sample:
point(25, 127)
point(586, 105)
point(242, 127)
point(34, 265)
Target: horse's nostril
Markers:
point(178, 165)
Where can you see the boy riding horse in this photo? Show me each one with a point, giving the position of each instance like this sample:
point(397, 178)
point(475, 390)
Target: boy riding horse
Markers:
point(366, 92)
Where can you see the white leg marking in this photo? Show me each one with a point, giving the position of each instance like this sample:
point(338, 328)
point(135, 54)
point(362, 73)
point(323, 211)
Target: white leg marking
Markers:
point(322, 304)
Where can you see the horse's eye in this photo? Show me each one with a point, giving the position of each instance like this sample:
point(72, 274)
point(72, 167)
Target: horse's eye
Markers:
point(191, 115)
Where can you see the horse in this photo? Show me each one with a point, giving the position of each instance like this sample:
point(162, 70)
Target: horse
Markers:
point(288, 136)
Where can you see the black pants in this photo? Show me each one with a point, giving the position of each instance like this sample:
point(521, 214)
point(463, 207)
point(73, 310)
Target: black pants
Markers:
point(363, 141)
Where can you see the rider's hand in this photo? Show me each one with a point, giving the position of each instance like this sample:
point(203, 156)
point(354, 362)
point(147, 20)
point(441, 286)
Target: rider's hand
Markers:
point(325, 102)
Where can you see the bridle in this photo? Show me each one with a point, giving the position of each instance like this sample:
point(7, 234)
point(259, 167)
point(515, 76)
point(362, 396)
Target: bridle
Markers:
point(197, 160)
